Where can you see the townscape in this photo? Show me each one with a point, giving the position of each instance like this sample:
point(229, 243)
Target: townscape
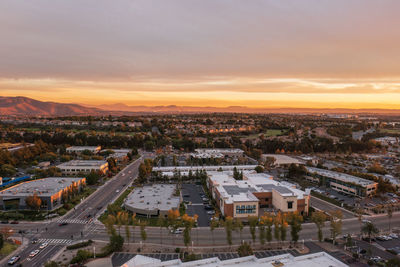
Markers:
point(211, 133)
point(200, 187)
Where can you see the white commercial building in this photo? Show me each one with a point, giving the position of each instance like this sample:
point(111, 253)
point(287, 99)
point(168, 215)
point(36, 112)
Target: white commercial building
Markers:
point(217, 152)
point(80, 149)
point(153, 200)
point(75, 167)
point(345, 183)
point(184, 170)
point(320, 259)
point(243, 198)
point(281, 160)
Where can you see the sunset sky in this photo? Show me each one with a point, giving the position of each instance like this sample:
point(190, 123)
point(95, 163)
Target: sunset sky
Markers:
point(299, 53)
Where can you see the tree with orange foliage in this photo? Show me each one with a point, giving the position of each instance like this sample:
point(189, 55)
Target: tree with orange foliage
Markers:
point(295, 220)
point(188, 223)
point(6, 232)
point(34, 202)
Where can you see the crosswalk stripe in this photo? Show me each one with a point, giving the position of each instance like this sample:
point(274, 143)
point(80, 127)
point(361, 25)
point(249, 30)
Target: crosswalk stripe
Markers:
point(77, 221)
point(55, 241)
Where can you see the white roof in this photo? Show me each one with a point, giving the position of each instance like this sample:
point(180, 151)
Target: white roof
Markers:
point(152, 198)
point(282, 159)
point(241, 190)
point(287, 260)
point(340, 176)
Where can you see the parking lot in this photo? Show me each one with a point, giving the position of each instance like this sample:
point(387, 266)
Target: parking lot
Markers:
point(191, 193)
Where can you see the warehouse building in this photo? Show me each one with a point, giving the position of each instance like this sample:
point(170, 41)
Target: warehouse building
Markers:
point(49, 190)
point(344, 183)
point(75, 167)
point(257, 192)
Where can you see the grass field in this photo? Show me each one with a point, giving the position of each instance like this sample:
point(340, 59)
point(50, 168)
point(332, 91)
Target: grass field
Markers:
point(391, 131)
point(7, 249)
point(268, 133)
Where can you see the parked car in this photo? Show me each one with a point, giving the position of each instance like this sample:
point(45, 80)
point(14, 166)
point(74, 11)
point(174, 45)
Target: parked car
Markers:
point(34, 240)
point(177, 231)
point(14, 222)
point(393, 235)
point(4, 222)
point(210, 212)
point(13, 260)
point(366, 221)
point(63, 224)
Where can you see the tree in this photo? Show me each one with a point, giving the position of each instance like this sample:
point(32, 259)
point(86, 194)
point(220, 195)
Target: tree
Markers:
point(245, 250)
point(214, 224)
point(336, 224)
point(319, 218)
point(93, 177)
point(1, 241)
point(269, 222)
point(259, 169)
point(261, 229)
point(295, 220)
point(122, 219)
point(253, 220)
point(369, 229)
point(228, 224)
point(161, 222)
point(390, 215)
point(51, 264)
point(6, 232)
point(109, 223)
point(143, 233)
point(34, 202)
point(393, 262)
point(116, 242)
point(188, 223)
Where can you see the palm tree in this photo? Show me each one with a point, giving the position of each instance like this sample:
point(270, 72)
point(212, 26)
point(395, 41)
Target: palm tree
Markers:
point(369, 229)
point(161, 222)
point(390, 215)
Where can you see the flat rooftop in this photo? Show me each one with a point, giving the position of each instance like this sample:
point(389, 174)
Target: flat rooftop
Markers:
point(341, 176)
point(155, 197)
point(282, 159)
point(42, 187)
point(206, 168)
point(285, 260)
point(219, 150)
point(82, 163)
point(242, 190)
point(83, 148)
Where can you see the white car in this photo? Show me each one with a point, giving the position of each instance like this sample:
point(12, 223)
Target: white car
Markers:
point(177, 231)
point(392, 235)
point(366, 221)
point(42, 246)
point(34, 253)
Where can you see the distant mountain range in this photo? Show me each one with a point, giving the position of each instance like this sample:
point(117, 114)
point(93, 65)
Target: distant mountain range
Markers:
point(24, 106)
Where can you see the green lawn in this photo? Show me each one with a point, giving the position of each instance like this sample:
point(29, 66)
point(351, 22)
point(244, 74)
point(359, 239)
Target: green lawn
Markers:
point(7, 249)
point(391, 131)
point(268, 133)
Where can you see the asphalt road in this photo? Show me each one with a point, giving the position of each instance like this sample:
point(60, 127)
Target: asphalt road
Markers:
point(79, 224)
point(323, 205)
point(202, 236)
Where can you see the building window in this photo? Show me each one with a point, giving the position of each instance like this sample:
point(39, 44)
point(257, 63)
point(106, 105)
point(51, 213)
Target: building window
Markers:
point(249, 209)
point(290, 205)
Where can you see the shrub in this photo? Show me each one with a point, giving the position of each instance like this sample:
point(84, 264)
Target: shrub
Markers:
point(80, 245)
